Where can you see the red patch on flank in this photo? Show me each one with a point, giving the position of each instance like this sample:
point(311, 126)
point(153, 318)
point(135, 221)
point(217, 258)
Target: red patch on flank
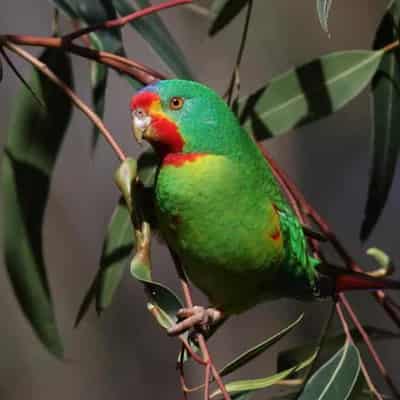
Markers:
point(144, 100)
point(178, 159)
point(167, 136)
point(276, 234)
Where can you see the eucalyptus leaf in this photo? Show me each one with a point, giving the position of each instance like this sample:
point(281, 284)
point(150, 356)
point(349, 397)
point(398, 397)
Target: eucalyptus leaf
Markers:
point(331, 345)
point(34, 140)
point(224, 11)
point(164, 303)
point(250, 385)
point(323, 8)
point(155, 33)
point(255, 351)
point(336, 378)
point(309, 92)
point(116, 251)
point(386, 121)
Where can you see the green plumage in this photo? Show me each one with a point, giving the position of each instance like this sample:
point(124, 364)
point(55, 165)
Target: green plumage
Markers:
point(223, 212)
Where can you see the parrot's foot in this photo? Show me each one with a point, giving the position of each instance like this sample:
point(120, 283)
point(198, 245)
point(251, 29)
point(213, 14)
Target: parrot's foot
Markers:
point(195, 317)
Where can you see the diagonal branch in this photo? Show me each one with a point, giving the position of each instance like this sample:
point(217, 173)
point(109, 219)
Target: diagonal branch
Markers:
point(43, 68)
point(132, 68)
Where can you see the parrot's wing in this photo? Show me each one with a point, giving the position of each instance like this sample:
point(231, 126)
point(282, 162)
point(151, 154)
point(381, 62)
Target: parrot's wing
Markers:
point(294, 239)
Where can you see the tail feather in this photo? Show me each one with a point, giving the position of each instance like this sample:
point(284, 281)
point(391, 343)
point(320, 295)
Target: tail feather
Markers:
point(358, 281)
point(344, 281)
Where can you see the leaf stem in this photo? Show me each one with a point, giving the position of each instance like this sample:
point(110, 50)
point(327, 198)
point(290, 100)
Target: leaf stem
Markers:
point(207, 360)
point(235, 81)
point(41, 67)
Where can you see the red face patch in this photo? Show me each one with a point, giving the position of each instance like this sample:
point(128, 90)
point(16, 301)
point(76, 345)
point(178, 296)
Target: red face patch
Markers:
point(144, 100)
point(167, 135)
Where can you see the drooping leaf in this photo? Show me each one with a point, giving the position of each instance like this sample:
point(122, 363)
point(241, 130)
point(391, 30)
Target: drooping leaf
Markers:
point(35, 137)
point(336, 378)
point(386, 116)
point(224, 12)
point(250, 385)
point(331, 345)
point(155, 33)
point(323, 8)
point(255, 351)
point(117, 249)
point(164, 304)
point(309, 92)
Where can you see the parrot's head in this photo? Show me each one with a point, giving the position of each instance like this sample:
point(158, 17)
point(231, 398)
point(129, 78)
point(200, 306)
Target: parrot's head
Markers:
point(179, 116)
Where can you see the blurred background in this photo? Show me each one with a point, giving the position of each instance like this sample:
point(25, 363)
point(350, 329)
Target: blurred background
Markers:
point(125, 354)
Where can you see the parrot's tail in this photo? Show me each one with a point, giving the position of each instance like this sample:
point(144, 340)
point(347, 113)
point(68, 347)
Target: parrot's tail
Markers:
point(335, 280)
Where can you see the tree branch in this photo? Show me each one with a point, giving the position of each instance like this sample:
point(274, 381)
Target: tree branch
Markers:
point(43, 68)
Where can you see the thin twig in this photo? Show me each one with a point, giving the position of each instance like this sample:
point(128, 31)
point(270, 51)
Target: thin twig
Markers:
point(369, 344)
point(235, 73)
point(43, 68)
point(207, 382)
point(119, 22)
point(207, 360)
point(364, 370)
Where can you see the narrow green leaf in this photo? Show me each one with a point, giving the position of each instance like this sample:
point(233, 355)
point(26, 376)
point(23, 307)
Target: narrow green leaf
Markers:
point(263, 383)
point(336, 378)
point(255, 351)
point(155, 33)
point(309, 92)
point(163, 300)
point(331, 345)
point(224, 12)
point(164, 304)
point(386, 115)
point(117, 249)
point(323, 8)
point(35, 137)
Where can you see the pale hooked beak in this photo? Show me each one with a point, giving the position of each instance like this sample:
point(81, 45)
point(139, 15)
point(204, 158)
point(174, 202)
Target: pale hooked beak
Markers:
point(140, 124)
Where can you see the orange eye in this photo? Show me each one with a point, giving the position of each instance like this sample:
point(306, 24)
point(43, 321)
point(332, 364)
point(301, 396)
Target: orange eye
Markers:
point(176, 103)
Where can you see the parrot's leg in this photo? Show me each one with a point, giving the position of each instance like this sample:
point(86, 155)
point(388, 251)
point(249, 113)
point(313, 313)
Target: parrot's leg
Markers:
point(195, 317)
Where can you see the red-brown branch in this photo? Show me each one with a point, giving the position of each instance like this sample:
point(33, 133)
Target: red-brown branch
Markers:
point(136, 70)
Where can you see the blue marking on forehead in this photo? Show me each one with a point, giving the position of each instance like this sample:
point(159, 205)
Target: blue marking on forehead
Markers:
point(149, 88)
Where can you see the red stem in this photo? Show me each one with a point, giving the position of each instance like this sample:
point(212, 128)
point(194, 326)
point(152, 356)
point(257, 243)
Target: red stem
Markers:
point(369, 344)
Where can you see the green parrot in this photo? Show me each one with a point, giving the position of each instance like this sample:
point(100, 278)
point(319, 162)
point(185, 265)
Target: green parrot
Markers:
point(221, 210)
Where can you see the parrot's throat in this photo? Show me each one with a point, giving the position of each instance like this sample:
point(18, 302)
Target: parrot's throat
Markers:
point(167, 138)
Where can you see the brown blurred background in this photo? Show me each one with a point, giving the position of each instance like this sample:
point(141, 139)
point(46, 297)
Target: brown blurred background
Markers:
point(125, 354)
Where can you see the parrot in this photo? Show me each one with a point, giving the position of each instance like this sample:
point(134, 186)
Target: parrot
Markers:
point(221, 210)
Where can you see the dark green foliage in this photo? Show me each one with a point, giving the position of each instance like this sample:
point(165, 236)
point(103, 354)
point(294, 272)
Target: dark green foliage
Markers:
point(224, 12)
point(308, 93)
point(336, 378)
point(34, 140)
point(386, 120)
point(157, 35)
